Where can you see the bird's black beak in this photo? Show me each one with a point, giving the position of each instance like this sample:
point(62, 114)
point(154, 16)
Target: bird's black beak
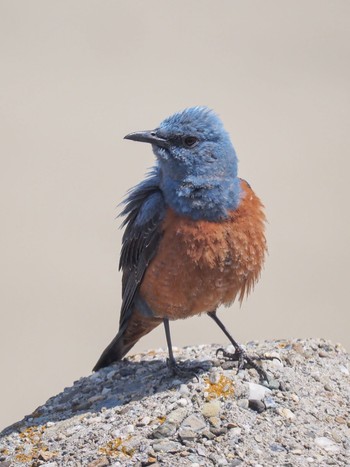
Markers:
point(148, 137)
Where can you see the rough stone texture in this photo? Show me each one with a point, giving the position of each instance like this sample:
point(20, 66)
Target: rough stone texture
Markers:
point(136, 413)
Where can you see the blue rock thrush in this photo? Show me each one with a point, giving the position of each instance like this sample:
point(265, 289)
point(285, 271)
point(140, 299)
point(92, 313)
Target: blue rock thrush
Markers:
point(194, 234)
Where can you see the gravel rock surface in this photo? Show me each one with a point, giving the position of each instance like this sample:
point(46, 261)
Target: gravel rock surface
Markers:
point(135, 413)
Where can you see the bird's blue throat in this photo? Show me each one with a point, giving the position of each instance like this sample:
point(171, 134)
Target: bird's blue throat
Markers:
point(202, 198)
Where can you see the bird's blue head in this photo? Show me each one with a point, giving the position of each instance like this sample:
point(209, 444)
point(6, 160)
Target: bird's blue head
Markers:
point(197, 163)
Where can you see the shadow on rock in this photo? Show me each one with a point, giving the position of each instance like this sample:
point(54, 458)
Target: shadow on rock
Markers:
point(110, 387)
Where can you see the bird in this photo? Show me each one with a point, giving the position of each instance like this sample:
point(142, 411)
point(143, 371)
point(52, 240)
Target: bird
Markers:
point(194, 235)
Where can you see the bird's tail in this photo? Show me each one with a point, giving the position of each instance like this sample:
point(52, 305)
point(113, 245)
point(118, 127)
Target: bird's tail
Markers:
point(136, 327)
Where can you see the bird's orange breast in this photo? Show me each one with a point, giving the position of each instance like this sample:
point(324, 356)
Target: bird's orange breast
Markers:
point(200, 265)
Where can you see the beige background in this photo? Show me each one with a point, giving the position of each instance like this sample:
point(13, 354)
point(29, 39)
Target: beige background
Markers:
point(76, 76)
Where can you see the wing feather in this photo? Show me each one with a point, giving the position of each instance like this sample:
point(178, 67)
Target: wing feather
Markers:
point(144, 212)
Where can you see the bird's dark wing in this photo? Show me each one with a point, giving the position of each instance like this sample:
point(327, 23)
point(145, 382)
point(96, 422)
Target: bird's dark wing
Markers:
point(144, 211)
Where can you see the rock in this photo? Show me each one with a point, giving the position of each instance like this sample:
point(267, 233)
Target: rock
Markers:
point(211, 409)
point(340, 420)
point(171, 423)
point(270, 402)
point(194, 423)
point(256, 405)
point(275, 447)
point(145, 421)
point(142, 418)
point(166, 446)
point(218, 431)
point(215, 422)
point(275, 384)
point(207, 434)
point(257, 391)
point(326, 444)
point(184, 389)
point(236, 463)
point(176, 416)
point(182, 402)
point(202, 451)
point(214, 377)
point(46, 455)
point(286, 413)
point(337, 437)
point(243, 403)
point(237, 431)
point(187, 435)
point(101, 462)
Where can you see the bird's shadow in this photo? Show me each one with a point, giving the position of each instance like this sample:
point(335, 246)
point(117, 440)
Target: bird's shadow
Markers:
point(116, 385)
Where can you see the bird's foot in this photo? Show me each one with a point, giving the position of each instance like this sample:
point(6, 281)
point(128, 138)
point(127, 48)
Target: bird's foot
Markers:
point(246, 361)
point(181, 371)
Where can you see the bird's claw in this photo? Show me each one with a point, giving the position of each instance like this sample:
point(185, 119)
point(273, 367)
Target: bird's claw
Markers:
point(177, 370)
point(245, 361)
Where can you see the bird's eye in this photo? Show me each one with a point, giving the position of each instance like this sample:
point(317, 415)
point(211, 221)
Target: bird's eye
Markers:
point(190, 141)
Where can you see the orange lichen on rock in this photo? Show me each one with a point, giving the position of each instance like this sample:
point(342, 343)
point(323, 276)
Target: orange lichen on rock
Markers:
point(115, 447)
point(224, 387)
point(39, 451)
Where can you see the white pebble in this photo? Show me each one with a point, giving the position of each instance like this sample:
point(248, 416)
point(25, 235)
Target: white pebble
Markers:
point(326, 444)
point(129, 429)
point(257, 391)
point(182, 402)
point(146, 420)
point(183, 389)
point(286, 413)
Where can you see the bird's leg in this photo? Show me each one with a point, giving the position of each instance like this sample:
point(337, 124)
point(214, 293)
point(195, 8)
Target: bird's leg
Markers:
point(171, 362)
point(240, 355)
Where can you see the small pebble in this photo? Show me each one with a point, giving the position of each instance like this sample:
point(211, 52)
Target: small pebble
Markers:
point(194, 423)
point(257, 391)
point(326, 444)
point(257, 406)
point(243, 403)
point(286, 413)
point(166, 446)
point(340, 420)
point(211, 409)
point(215, 422)
point(214, 377)
point(182, 402)
point(270, 402)
point(184, 389)
point(274, 384)
point(145, 421)
point(186, 434)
